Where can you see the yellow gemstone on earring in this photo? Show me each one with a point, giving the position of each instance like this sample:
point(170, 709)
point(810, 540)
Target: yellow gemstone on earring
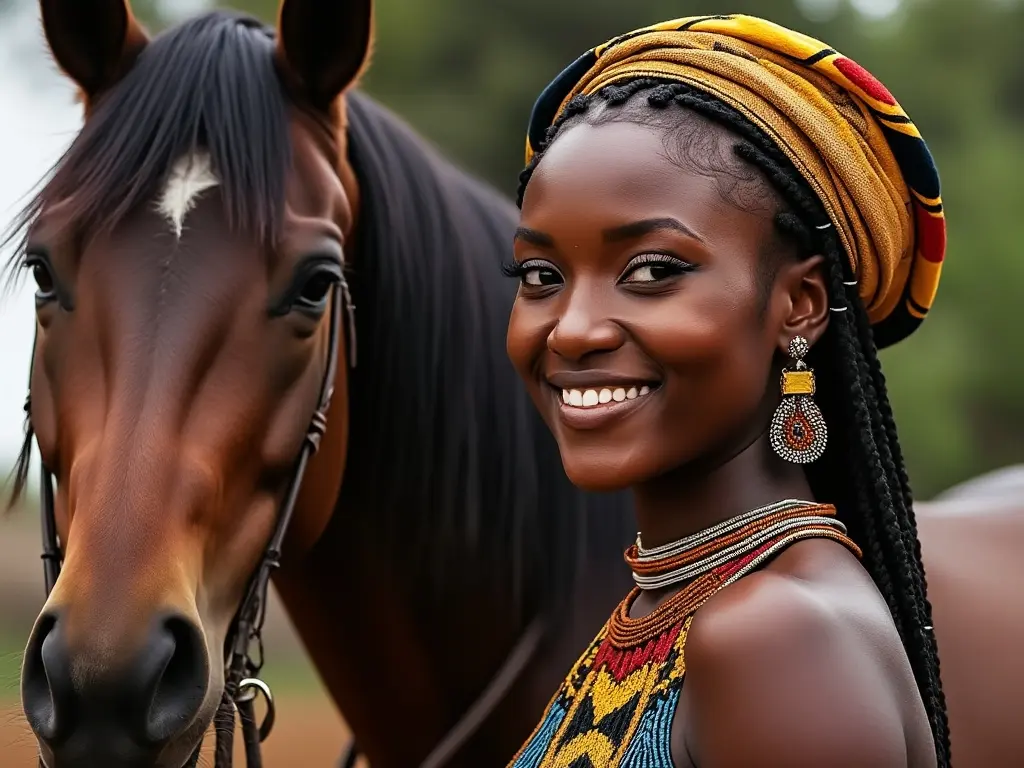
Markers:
point(798, 382)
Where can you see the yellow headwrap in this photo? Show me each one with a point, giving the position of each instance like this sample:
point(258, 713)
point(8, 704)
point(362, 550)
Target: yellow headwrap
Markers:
point(844, 132)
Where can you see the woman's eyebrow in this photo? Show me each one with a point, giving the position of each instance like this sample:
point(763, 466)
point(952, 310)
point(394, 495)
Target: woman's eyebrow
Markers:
point(534, 237)
point(645, 227)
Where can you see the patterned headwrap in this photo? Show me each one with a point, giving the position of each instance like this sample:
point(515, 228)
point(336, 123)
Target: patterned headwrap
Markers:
point(843, 131)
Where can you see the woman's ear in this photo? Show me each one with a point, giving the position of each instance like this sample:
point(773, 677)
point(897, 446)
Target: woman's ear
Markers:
point(805, 286)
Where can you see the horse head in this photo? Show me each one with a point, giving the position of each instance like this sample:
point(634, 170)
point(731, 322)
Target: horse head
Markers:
point(189, 256)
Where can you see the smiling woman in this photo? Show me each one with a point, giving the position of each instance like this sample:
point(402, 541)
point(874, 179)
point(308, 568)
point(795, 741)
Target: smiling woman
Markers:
point(721, 221)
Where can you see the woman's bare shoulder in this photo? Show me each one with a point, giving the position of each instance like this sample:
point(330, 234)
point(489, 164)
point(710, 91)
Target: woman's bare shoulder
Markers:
point(799, 665)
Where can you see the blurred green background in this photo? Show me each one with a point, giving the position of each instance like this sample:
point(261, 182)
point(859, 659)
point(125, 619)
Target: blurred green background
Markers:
point(465, 73)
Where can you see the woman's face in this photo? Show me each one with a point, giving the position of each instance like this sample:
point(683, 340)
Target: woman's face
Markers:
point(645, 326)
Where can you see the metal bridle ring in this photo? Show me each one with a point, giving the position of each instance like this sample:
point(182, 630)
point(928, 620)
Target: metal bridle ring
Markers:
point(247, 690)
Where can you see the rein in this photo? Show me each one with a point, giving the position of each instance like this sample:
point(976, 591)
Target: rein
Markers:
point(242, 685)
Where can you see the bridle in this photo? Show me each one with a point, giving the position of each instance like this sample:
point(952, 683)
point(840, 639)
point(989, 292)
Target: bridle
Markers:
point(242, 684)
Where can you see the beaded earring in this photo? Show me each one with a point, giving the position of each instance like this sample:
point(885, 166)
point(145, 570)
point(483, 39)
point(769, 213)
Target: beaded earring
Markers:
point(798, 432)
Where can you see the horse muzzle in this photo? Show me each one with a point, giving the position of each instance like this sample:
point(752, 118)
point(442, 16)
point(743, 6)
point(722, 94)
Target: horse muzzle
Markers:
point(90, 709)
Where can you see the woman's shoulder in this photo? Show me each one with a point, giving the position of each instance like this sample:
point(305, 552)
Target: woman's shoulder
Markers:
point(815, 585)
point(800, 664)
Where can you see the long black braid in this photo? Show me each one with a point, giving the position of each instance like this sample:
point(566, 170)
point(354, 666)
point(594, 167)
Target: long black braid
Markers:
point(863, 473)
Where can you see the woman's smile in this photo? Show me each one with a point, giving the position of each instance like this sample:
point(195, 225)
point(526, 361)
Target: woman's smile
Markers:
point(592, 399)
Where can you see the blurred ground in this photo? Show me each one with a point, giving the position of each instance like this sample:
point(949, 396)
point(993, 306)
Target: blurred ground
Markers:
point(309, 733)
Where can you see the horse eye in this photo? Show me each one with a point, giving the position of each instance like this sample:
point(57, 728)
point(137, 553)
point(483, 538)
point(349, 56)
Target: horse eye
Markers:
point(314, 292)
point(45, 284)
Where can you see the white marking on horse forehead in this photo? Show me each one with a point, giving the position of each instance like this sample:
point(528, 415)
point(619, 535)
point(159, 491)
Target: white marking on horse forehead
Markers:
point(190, 177)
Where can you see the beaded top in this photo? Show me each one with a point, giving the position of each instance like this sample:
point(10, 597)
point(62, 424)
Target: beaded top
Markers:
point(615, 708)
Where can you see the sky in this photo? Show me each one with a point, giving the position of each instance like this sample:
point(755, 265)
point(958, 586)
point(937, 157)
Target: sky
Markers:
point(40, 118)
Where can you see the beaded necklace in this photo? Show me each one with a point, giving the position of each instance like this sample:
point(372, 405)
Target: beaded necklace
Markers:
point(700, 553)
point(615, 708)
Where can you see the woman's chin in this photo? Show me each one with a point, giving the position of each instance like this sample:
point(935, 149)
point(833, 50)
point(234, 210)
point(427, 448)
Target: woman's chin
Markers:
point(598, 476)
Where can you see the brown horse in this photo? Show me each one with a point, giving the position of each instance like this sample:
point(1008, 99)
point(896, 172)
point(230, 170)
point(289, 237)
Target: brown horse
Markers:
point(972, 537)
point(185, 251)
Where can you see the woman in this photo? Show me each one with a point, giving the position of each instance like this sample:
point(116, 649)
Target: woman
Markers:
point(722, 220)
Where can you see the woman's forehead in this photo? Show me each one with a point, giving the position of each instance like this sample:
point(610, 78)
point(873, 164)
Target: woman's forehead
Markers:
point(623, 158)
point(617, 172)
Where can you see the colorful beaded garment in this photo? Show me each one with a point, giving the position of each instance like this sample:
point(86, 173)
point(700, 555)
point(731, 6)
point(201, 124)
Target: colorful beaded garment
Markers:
point(615, 708)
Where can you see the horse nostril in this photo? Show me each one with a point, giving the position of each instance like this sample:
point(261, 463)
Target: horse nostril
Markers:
point(177, 656)
point(47, 701)
point(130, 708)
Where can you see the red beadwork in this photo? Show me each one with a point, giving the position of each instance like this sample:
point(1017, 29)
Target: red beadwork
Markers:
point(798, 432)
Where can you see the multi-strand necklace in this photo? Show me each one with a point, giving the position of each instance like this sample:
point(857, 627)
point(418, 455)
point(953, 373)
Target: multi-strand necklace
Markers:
point(692, 556)
point(705, 562)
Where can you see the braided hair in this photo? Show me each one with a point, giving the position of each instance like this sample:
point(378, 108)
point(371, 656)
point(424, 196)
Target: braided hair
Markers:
point(866, 480)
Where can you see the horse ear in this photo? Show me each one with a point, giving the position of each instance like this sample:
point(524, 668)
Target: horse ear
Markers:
point(324, 45)
point(94, 41)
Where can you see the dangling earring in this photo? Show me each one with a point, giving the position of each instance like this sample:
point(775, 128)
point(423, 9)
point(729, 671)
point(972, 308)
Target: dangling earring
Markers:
point(798, 432)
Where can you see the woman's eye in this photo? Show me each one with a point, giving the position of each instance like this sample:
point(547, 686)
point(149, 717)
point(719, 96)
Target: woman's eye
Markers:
point(649, 274)
point(314, 293)
point(540, 276)
point(656, 268)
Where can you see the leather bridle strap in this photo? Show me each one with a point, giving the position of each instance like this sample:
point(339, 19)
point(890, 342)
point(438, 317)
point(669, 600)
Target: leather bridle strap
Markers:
point(52, 557)
point(482, 707)
point(241, 684)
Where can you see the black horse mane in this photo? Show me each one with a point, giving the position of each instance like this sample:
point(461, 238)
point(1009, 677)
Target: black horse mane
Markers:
point(448, 457)
point(447, 449)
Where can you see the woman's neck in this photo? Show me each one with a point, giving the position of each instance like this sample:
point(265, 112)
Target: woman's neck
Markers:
point(695, 497)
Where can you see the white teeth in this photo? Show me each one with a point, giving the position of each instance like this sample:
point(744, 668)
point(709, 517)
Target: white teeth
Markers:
point(588, 398)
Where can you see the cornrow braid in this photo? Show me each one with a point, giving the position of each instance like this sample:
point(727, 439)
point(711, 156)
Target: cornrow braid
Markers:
point(866, 480)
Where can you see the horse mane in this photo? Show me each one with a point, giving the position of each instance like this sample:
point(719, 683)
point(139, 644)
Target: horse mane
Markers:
point(209, 83)
point(449, 454)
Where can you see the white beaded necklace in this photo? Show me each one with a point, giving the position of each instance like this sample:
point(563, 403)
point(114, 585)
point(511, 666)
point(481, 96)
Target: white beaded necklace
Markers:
point(733, 551)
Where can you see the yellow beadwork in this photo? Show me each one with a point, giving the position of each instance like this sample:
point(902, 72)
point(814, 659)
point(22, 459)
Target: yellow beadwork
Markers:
point(600, 712)
point(798, 382)
point(606, 697)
